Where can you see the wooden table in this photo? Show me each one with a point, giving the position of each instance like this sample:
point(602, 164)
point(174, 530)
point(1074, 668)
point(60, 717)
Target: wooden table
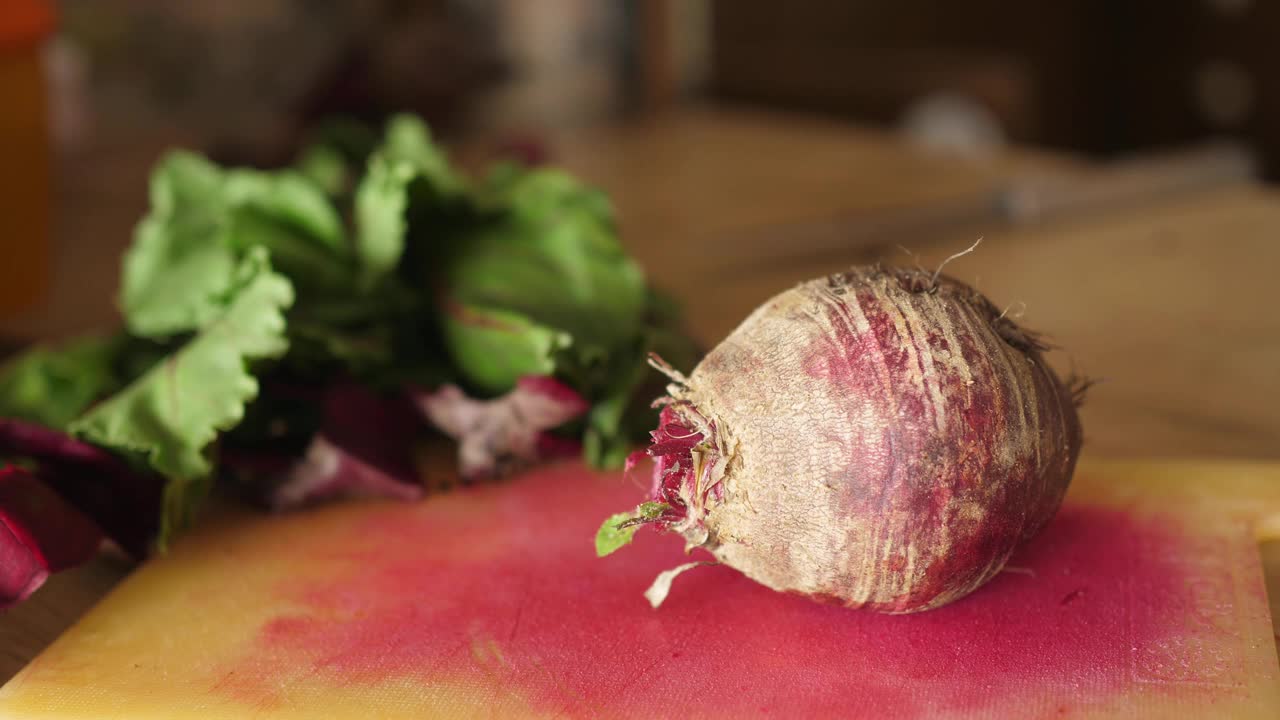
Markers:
point(1166, 297)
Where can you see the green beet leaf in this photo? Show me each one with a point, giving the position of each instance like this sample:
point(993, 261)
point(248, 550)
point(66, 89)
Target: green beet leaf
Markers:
point(494, 348)
point(606, 441)
point(408, 141)
point(292, 200)
point(170, 415)
point(407, 161)
point(548, 251)
point(299, 225)
point(541, 194)
point(180, 267)
point(336, 154)
point(53, 385)
point(625, 413)
point(381, 201)
point(619, 529)
point(178, 274)
point(325, 166)
point(292, 218)
point(613, 535)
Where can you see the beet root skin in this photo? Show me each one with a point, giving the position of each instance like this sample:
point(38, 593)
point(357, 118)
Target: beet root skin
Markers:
point(879, 438)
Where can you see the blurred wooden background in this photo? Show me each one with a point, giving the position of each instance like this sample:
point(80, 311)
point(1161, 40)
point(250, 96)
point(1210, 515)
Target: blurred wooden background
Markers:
point(1092, 76)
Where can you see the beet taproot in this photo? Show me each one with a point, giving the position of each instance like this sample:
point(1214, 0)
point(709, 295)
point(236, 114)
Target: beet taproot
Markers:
point(879, 438)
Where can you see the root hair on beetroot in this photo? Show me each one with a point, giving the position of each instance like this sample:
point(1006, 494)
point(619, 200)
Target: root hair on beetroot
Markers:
point(933, 281)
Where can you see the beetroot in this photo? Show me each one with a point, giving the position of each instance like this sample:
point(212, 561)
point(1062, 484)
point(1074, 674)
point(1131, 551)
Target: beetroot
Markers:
point(880, 438)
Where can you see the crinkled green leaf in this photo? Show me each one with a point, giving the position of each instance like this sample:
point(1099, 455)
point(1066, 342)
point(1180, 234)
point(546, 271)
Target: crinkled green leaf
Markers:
point(325, 166)
point(554, 258)
point(177, 408)
point(408, 141)
point(547, 250)
point(53, 385)
point(610, 538)
point(381, 201)
point(290, 199)
point(494, 348)
point(292, 218)
point(312, 269)
point(539, 194)
point(171, 414)
point(180, 267)
point(407, 160)
point(203, 219)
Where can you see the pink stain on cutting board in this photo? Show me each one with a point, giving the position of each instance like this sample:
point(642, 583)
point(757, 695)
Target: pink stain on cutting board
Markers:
point(500, 588)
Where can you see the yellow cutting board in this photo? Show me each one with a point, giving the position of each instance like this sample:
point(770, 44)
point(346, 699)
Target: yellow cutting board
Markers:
point(1144, 598)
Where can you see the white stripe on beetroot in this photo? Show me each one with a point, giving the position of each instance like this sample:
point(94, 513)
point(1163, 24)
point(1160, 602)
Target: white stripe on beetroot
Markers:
point(880, 438)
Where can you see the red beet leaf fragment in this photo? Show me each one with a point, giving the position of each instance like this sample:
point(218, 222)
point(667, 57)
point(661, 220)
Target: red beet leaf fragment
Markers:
point(379, 430)
point(328, 472)
point(40, 534)
point(510, 431)
point(364, 448)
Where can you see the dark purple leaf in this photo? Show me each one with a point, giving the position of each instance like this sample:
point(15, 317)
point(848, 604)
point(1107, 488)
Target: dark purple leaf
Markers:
point(364, 448)
point(328, 472)
point(40, 534)
point(123, 501)
point(379, 430)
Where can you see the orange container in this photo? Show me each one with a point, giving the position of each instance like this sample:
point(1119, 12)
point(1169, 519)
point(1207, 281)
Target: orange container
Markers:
point(25, 181)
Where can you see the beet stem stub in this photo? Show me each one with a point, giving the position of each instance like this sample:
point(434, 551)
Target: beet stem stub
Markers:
point(881, 438)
